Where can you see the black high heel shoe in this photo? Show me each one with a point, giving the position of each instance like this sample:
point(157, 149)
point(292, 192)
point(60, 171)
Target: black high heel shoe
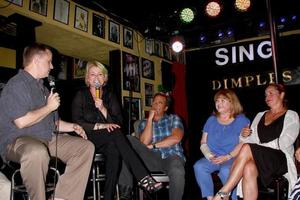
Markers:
point(149, 184)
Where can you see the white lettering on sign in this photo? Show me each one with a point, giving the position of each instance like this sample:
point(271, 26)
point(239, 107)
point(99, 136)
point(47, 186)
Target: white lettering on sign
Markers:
point(240, 54)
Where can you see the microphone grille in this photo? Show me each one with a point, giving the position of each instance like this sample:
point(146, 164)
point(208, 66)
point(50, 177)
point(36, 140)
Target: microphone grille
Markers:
point(97, 84)
point(51, 81)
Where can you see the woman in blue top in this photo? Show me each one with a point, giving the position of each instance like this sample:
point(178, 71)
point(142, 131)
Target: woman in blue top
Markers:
point(220, 141)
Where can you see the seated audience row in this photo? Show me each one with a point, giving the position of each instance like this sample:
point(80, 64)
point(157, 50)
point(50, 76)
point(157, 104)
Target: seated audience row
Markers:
point(240, 152)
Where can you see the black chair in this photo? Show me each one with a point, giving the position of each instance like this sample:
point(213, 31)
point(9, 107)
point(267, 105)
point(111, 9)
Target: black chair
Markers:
point(277, 190)
point(18, 189)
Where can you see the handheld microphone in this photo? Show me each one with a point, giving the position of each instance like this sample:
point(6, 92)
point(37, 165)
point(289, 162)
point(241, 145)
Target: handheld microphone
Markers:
point(51, 81)
point(97, 88)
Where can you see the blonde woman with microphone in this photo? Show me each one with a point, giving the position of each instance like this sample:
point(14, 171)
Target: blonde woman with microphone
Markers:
point(98, 111)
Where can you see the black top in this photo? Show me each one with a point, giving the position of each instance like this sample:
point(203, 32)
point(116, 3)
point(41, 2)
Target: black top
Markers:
point(267, 133)
point(85, 113)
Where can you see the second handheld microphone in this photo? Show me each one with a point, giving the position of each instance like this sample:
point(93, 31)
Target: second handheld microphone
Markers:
point(98, 89)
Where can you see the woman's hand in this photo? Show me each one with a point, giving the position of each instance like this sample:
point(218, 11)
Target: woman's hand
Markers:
point(109, 127)
point(246, 131)
point(79, 130)
point(220, 159)
point(99, 103)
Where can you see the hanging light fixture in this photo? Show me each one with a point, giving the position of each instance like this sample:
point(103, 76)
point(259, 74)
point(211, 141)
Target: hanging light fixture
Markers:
point(213, 8)
point(242, 5)
point(187, 15)
point(177, 43)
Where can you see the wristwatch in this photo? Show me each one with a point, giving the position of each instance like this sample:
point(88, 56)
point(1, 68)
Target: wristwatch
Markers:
point(154, 146)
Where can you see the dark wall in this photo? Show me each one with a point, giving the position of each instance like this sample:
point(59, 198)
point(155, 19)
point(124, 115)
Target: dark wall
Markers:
point(202, 70)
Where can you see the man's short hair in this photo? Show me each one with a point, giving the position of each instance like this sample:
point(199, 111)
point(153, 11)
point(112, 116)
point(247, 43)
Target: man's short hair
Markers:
point(31, 50)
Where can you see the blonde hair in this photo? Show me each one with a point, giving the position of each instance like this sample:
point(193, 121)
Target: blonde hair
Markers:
point(236, 107)
point(97, 64)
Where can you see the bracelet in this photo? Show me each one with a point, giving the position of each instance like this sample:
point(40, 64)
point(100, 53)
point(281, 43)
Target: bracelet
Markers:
point(230, 155)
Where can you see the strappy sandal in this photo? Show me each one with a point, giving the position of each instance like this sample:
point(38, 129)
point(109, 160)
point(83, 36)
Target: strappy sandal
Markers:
point(149, 184)
point(223, 195)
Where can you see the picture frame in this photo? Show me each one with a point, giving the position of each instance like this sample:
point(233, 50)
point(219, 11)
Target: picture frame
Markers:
point(135, 105)
point(114, 32)
point(157, 48)
point(39, 6)
point(81, 18)
point(131, 72)
point(166, 51)
point(149, 91)
point(148, 69)
point(128, 37)
point(134, 111)
point(149, 46)
point(61, 11)
point(16, 2)
point(98, 26)
point(63, 67)
point(79, 67)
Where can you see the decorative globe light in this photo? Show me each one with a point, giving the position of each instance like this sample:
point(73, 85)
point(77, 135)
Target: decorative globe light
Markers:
point(242, 5)
point(213, 9)
point(177, 46)
point(187, 15)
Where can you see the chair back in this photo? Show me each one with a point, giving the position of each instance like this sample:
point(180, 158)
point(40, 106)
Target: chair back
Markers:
point(136, 127)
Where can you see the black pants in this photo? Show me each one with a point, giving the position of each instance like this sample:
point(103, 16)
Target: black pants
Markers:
point(115, 146)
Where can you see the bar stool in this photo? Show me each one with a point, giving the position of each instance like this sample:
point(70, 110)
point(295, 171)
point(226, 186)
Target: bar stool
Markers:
point(98, 177)
point(18, 188)
point(159, 177)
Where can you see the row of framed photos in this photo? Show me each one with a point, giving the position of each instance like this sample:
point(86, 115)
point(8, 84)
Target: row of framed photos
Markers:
point(61, 14)
point(136, 102)
point(155, 47)
point(131, 70)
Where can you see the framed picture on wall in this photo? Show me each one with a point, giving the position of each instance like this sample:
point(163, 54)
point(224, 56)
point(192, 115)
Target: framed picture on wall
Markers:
point(16, 2)
point(156, 48)
point(98, 26)
point(135, 107)
point(131, 113)
point(63, 67)
point(149, 46)
point(114, 32)
point(131, 73)
point(79, 67)
point(81, 19)
point(166, 51)
point(148, 69)
point(148, 94)
point(39, 6)
point(128, 38)
point(61, 11)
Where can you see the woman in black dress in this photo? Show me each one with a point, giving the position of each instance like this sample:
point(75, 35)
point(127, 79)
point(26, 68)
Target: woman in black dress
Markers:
point(97, 110)
point(268, 148)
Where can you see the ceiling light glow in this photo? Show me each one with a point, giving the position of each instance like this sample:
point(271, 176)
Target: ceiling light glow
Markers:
point(177, 46)
point(242, 5)
point(187, 15)
point(213, 9)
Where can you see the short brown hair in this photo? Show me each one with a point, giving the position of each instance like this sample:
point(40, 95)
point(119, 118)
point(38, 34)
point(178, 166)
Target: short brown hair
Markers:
point(31, 50)
point(237, 108)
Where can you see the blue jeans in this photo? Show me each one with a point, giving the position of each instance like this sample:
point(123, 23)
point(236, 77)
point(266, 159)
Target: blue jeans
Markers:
point(173, 166)
point(203, 169)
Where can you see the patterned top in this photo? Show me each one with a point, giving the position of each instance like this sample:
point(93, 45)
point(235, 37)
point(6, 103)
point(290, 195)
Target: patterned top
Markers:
point(162, 129)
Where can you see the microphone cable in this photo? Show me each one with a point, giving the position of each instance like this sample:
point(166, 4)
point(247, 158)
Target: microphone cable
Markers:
point(51, 81)
point(56, 132)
